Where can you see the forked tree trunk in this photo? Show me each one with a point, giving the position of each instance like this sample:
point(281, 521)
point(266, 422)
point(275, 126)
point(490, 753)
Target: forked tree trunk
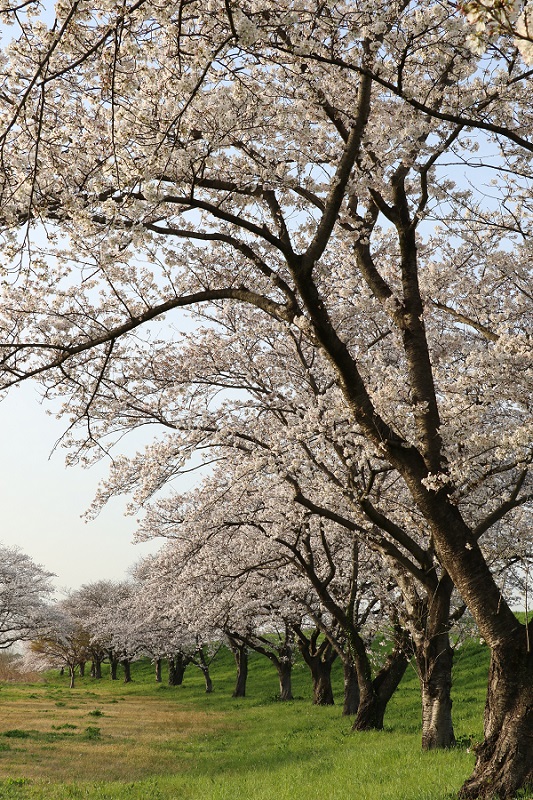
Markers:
point(374, 695)
point(505, 759)
point(319, 657)
point(504, 763)
point(281, 658)
point(351, 689)
point(369, 711)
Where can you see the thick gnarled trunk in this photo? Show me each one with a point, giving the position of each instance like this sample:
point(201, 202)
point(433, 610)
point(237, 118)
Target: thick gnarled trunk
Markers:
point(505, 758)
point(504, 763)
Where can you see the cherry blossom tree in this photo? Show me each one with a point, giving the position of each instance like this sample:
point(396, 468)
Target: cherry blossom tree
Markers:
point(118, 628)
point(87, 605)
point(167, 629)
point(63, 644)
point(24, 589)
point(298, 158)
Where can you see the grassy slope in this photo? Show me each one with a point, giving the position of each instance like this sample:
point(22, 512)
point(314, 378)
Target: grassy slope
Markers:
point(153, 742)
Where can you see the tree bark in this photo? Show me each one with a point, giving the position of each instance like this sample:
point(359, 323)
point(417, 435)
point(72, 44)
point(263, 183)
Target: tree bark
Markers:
point(127, 670)
point(435, 670)
point(158, 667)
point(240, 654)
point(176, 669)
point(351, 689)
point(96, 668)
point(319, 657)
point(72, 673)
point(207, 679)
point(374, 695)
point(113, 666)
point(428, 619)
point(322, 688)
point(284, 669)
point(505, 758)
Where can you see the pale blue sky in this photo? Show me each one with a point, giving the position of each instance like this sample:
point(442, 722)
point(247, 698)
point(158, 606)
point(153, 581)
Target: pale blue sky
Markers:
point(42, 501)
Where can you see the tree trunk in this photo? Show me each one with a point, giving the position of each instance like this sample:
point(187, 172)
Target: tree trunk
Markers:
point(505, 758)
point(375, 694)
point(176, 669)
point(81, 667)
point(435, 671)
point(369, 714)
point(319, 657)
point(207, 679)
point(240, 654)
point(96, 668)
point(322, 688)
point(428, 618)
point(351, 689)
point(158, 676)
point(71, 672)
point(113, 666)
point(284, 669)
point(127, 670)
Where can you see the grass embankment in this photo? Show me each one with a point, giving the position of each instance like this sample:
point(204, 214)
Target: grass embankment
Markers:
point(143, 741)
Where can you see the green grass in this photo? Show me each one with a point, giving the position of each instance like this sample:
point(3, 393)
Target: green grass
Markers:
point(155, 742)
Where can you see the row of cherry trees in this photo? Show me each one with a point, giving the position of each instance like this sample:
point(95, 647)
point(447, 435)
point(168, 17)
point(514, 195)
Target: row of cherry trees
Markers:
point(340, 199)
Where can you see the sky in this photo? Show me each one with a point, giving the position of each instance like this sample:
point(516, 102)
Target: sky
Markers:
point(42, 501)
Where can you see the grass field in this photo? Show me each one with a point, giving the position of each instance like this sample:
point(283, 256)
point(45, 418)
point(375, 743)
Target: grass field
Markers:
point(110, 740)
